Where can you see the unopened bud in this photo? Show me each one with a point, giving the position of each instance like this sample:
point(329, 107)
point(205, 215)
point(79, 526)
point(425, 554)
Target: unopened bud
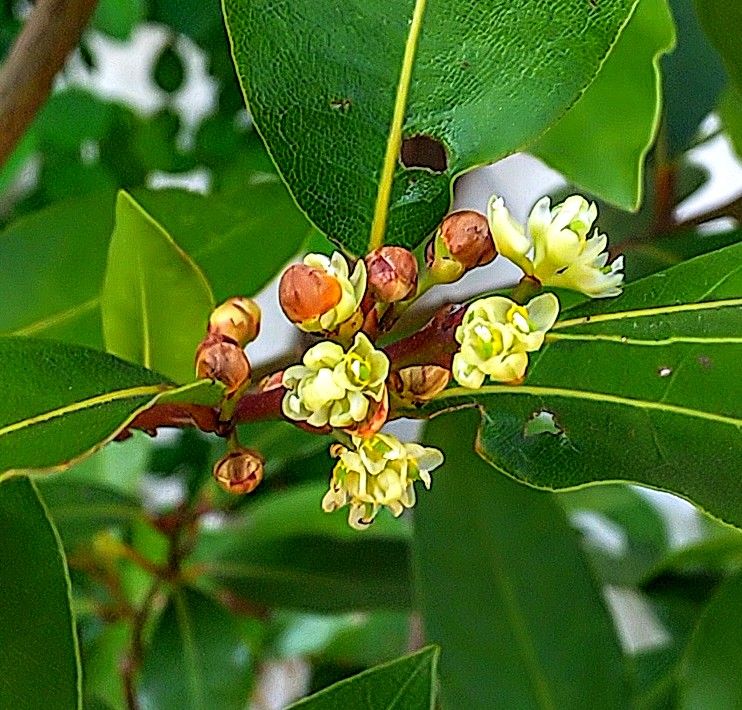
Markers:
point(467, 238)
point(392, 273)
point(239, 471)
point(238, 319)
point(223, 361)
point(306, 292)
point(420, 383)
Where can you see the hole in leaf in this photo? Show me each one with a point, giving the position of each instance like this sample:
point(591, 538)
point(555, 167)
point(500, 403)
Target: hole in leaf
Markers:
point(542, 422)
point(423, 151)
point(664, 371)
point(341, 105)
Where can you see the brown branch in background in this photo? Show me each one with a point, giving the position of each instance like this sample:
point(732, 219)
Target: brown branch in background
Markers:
point(52, 30)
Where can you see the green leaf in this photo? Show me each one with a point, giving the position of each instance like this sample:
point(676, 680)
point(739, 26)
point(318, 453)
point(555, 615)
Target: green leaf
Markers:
point(408, 682)
point(155, 301)
point(692, 75)
point(53, 266)
point(618, 115)
point(61, 402)
point(506, 591)
point(118, 17)
point(721, 20)
point(711, 672)
point(104, 653)
point(730, 112)
point(639, 388)
point(285, 551)
point(442, 86)
point(197, 658)
point(71, 117)
point(39, 660)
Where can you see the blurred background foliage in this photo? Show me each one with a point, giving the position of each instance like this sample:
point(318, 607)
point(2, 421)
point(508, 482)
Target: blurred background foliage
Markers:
point(272, 598)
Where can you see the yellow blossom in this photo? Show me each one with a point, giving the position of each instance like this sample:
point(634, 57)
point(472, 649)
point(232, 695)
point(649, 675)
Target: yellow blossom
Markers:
point(333, 386)
point(496, 335)
point(555, 249)
point(378, 472)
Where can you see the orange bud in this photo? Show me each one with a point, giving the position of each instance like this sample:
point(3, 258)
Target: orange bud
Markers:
point(224, 361)
point(306, 292)
point(467, 237)
point(238, 319)
point(392, 273)
point(420, 383)
point(239, 471)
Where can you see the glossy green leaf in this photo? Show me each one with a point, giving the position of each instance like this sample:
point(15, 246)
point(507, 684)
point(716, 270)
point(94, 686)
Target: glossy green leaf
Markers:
point(197, 659)
point(721, 20)
point(408, 682)
point(693, 76)
point(461, 83)
point(53, 266)
point(642, 388)
point(39, 660)
point(285, 551)
point(711, 672)
point(601, 142)
point(506, 591)
point(155, 301)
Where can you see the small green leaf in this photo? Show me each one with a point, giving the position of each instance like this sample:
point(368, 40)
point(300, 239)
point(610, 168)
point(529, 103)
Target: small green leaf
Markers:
point(721, 20)
point(169, 71)
point(197, 659)
point(60, 402)
point(155, 301)
point(506, 591)
point(285, 551)
point(711, 672)
point(408, 682)
point(730, 112)
point(641, 388)
point(618, 115)
point(118, 17)
point(39, 659)
point(370, 114)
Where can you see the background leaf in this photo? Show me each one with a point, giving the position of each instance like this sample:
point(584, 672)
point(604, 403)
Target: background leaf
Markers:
point(506, 591)
point(618, 114)
point(482, 84)
point(197, 658)
point(638, 388)
point(155, 301)
point(39, 661)
point(407, 683)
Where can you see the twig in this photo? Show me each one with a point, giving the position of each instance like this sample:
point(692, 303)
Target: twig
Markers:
point(50, 33)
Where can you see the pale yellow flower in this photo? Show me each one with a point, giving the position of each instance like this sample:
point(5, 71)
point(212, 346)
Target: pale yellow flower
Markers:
point(352, 290)
point(333, 386)
point(496, 335)
point(555, 249)
point(378, 472)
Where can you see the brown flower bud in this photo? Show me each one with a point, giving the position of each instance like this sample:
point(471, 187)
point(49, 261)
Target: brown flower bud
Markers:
point(239, 471)
point(238, 319)
point(467, 238)
point(306, 292)
point(224, 361)
point(420, 383)
point(392, 273)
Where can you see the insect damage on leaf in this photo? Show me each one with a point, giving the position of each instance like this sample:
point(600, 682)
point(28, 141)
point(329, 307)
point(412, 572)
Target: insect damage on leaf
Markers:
point(423, 151)
point(542, 422)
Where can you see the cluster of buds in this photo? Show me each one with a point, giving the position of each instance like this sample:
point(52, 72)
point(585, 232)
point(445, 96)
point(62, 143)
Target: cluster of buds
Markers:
point(220, 355)
point(555, 250)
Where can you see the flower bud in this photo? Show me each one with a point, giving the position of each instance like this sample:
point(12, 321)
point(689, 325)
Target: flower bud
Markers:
point(467, 238)
point(392, 273)
point(239, 471)
point(306, 292)
point(238, 319)
point(224, 361)
point(420, 383)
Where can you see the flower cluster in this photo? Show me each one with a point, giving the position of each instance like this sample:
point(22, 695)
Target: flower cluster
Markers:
point(555, 250)
point(336, 387)
point(496, 335)
point(378, 472)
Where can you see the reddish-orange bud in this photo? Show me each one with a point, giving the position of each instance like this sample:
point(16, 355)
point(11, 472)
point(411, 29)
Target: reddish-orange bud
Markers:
point(467, 237)
point(224, 361)
point(392, 273)
point(306, 292)
point(238, 319)
point(239, 471)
